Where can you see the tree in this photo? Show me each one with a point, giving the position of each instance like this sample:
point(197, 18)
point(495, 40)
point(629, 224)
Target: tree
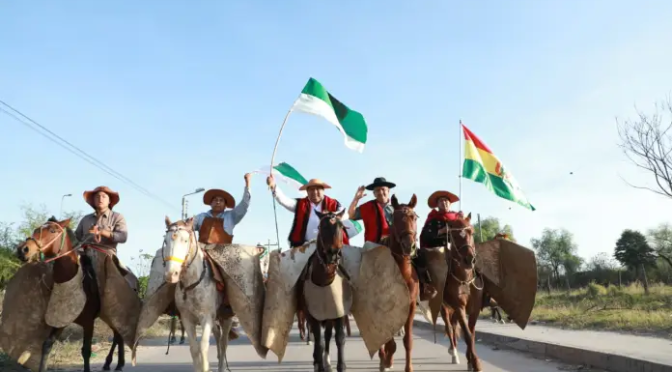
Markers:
point(556, 248)
point(36, 217)
point(661, 241)
point(490, 227)
point(633, 251)
point(647, 142)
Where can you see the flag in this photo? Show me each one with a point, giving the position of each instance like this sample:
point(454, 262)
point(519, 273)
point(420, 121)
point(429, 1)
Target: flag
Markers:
point(352, 228)
point(315, 99)
point(285, 173)
point(481, 165)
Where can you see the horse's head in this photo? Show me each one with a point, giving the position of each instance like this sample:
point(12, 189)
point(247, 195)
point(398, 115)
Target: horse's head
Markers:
point(178, 245)
point(50, 239)
point(461, 235)
point(404, 230)
point(330, 236)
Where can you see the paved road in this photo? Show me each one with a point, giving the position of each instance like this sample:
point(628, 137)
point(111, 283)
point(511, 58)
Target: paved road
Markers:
point(427, 356)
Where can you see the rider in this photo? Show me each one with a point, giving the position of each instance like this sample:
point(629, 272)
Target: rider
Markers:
point(306, 222)
point(434, 232)
point(107, 227)
point(376, 213)
point(216, 225)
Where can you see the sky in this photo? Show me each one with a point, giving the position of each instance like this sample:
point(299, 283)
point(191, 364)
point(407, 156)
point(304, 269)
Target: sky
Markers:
point(178, 95)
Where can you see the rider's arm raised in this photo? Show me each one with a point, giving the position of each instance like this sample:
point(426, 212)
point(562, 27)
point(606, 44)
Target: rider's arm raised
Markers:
point(282, 199)
point(241, 208)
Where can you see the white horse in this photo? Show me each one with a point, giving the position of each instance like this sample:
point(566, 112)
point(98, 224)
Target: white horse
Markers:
point(196, 295)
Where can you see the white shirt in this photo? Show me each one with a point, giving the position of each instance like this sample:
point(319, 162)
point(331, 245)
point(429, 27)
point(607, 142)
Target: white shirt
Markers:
point(313, 220)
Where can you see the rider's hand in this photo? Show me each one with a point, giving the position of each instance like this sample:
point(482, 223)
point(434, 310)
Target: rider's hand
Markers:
point(443, 230)
point(270, 181)
point(360, 192)
point(248, 177)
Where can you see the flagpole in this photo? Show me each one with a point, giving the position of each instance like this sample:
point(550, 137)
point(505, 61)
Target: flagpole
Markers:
point(459, 168)
point(270, 173)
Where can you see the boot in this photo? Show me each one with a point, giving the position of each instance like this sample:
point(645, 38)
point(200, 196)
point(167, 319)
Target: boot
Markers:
point(427, 290)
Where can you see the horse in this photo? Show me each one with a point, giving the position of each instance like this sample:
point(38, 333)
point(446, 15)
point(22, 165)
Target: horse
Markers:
point(402, 244)
point(457, 304)
point(301, 322)
point(196, 296)
point(322, 267)
point(55, 240)
point(174, 318)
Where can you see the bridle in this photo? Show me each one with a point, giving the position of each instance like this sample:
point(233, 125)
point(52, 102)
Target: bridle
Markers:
point(321, 244)
point(188, 259)
point(458, 258)
point(397, 235)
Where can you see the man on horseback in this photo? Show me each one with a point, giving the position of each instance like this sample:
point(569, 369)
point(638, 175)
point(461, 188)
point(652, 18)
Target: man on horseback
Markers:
point(434, 232)
point(216, 225)
point(376, 213)
point(306, 222)
point(104, 227)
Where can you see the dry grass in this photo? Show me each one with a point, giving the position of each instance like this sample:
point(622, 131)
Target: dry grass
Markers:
point(626, 309)
point(67, 350)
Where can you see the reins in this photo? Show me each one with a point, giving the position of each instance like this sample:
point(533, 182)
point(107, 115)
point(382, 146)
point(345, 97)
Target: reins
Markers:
point(186, 262)
point(471, 272)
point(321, 244)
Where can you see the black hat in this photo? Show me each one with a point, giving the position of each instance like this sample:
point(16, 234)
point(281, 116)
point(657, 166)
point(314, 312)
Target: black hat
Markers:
point(380, 181)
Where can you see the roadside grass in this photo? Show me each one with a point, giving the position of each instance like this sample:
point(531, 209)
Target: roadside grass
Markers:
point(595, 307)
point(66, 351)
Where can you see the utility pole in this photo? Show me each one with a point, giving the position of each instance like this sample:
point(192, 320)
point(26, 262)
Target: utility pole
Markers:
point(184, 201)
point(269, 245)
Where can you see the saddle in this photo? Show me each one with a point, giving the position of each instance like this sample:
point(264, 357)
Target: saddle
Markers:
point(125, 272)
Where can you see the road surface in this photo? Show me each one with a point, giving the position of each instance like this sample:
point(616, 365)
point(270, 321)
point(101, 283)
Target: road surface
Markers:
point(427, 356)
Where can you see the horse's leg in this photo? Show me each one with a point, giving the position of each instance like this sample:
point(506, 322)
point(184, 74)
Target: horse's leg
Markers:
point(182, 327)
point(340, 343)
point(451, 330)
point(408, 331)
point(474, 364)
point(346, 319)
point(110, 354)
point(328, 330)
point(226, 326)
point(173, 325)
point(121, 354)
point(318, 346)
point(300, 320)
point(206, 331)
point(386, 355)
point(217, 334)
point(86, 343)
point(193, 343)
point(46, 347)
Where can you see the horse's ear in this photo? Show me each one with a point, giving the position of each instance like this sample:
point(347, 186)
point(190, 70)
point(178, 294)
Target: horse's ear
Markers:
point(189, 222)
point(468, 218)
point(65, 223)
point(395, 202)
point(413, 202)
point(341, 214)
point(168, 223)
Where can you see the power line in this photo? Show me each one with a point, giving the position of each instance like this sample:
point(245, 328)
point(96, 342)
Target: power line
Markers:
point(77, 151)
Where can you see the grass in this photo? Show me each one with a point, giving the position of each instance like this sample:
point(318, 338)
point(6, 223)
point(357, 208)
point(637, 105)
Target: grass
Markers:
point(67, 350)
point(626, 309)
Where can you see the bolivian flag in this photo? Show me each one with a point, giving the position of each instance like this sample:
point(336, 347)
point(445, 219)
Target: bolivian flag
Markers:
point(481, 165)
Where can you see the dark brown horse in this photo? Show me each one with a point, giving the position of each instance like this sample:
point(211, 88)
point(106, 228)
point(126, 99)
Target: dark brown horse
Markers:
point(402, 244)
point(301, 322)
point(323, 265)
point(54, 240)
point(463, 291)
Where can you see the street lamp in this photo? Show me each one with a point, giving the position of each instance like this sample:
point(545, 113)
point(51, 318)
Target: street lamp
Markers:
point(184, 201)
point(60, 213)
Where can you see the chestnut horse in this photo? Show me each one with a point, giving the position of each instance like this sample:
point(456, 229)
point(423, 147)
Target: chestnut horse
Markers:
point(54, 240)
point(323, 265)
point(402, 243)
point(463, 291)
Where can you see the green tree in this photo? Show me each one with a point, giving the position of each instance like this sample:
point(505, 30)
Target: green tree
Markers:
point(633, 251)
point(491, 227)
point(34, 217)
point(8, 261)
point(556, 248)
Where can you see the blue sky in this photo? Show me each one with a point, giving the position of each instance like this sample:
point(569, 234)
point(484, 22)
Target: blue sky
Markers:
point(180, 95)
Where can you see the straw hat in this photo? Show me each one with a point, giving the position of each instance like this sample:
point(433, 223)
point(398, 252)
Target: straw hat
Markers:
point(113, 195)
point(315, 182)
point(229, 201)
point(434, 198)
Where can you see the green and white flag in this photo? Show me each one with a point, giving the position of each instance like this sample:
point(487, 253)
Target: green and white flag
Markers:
point(315, 99)
point(353, 228)
point(285, 173)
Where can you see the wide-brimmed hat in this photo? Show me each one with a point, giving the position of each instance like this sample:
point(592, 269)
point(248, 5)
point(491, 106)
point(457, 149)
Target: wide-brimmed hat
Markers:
point(113, 195)
point(229, 201)
point(434, 198)
point(314, 182)
point(380, 181)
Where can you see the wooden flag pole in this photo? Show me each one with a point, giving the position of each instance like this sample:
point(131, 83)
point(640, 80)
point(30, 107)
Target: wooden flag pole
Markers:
point(459, 168)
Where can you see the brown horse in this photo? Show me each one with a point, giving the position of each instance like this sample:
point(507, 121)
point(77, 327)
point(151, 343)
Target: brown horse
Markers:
point(402, 244)
point(463, 291)
point(323, 265)
point(54, 240)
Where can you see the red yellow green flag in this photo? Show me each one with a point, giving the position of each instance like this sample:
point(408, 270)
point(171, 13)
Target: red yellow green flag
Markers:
point(482, 166)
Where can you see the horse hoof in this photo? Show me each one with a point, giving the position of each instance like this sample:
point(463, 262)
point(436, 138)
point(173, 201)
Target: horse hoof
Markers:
point(119, 369)
point(453, 353)
point(106, 368)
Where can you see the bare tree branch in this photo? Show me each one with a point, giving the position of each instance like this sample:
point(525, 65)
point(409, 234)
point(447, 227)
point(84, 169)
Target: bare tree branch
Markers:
point(647, 143)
